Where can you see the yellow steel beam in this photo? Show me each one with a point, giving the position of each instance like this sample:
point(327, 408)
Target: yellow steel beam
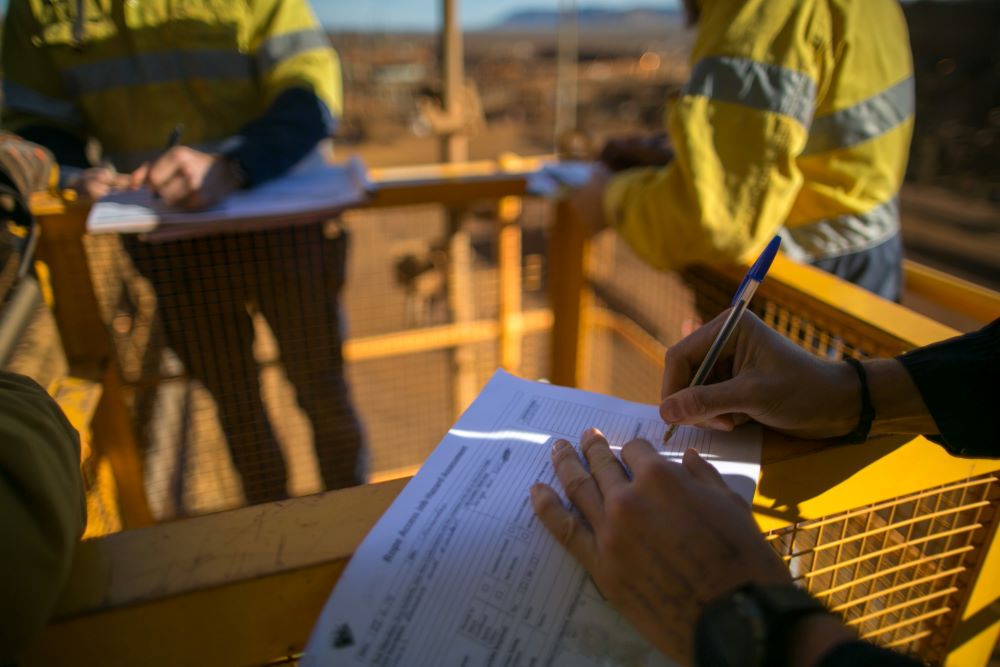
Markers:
point(440, 337)
point(952, 293)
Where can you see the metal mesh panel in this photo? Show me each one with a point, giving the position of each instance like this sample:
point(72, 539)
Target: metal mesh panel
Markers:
point(897, 571)
point(814, 328)
point(228, 343)
point(397, 276)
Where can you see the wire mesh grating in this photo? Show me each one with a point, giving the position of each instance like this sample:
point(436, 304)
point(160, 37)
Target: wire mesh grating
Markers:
point(898, 570)
point(222, 340)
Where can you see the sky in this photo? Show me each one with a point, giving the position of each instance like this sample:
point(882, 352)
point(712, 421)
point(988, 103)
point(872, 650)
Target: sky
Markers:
point(426, 14)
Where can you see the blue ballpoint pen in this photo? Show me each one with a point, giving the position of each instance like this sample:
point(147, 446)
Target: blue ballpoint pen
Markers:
point(753, 278)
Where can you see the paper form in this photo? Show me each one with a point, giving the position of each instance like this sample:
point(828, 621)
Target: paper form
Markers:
point(554, 178)
point(459, 572)
point(311, 187)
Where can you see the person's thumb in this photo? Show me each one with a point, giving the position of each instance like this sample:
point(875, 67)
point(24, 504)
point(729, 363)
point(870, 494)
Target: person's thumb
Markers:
point(711, 405)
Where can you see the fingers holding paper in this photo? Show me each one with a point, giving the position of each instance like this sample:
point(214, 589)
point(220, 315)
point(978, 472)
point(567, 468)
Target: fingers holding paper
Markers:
point(659, 542)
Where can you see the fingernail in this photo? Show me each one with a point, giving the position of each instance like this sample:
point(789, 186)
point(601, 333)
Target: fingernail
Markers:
point(670, 411)
point(559, 445)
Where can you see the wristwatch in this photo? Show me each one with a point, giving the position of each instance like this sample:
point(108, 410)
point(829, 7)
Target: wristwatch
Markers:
point(751, 626)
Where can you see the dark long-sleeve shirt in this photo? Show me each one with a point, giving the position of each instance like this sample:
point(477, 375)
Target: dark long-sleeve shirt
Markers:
point(958, 380)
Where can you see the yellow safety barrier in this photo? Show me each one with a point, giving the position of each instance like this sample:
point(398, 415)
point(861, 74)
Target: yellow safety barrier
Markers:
point(896, 535)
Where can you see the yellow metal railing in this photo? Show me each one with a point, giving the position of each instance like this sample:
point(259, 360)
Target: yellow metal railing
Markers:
point(954, 294)
point(896, 535)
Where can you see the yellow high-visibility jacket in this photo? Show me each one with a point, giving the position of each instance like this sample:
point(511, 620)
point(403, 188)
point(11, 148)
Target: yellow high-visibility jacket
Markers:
point(797, 117)
point(128, 71)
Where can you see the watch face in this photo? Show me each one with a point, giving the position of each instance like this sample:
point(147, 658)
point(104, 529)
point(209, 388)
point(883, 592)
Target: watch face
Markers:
point(730, 634)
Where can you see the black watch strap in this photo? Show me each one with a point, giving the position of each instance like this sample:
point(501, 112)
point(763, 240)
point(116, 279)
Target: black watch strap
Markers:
point(764, 616)
point(783, 606)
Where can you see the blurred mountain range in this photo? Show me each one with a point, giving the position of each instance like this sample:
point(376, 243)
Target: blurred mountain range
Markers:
point(604, 19)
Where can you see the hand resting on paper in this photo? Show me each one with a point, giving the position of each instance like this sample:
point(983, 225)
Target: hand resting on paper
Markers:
point(660, 545)
point(98, 182)
point(187, 178)
point(763, 376)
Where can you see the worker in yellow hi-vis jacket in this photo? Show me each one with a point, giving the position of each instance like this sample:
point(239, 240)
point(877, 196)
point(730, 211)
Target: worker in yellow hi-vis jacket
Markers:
point(797, 120)
point(256, 87)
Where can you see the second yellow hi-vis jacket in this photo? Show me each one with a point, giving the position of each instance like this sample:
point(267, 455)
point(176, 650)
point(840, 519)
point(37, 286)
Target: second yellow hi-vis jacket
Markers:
point(797, 118)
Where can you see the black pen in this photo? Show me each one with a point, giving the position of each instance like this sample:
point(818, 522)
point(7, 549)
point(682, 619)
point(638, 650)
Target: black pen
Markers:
point(172, 140)
point(175, 136)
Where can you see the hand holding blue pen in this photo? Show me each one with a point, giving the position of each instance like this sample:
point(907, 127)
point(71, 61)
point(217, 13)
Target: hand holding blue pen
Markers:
point(753, 278)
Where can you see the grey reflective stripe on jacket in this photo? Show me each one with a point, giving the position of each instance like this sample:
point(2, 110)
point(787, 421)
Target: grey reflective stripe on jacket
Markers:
point(166, 66)
point(286, 46)
point(28, 100)
point(842, 235)
point(864, 121)
point(776, 89)
point(152, 68)
point(754, 84)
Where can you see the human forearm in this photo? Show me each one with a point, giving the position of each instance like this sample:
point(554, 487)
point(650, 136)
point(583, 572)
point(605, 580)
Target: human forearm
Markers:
point(898, 406)
point(291, 127)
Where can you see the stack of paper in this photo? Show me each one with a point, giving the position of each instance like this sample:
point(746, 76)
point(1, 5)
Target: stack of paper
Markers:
point(459, 572)
point(309, 193)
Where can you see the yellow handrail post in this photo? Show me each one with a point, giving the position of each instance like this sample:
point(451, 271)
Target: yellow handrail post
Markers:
point(462, 306)
point(509, 270)
point(569, 247)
